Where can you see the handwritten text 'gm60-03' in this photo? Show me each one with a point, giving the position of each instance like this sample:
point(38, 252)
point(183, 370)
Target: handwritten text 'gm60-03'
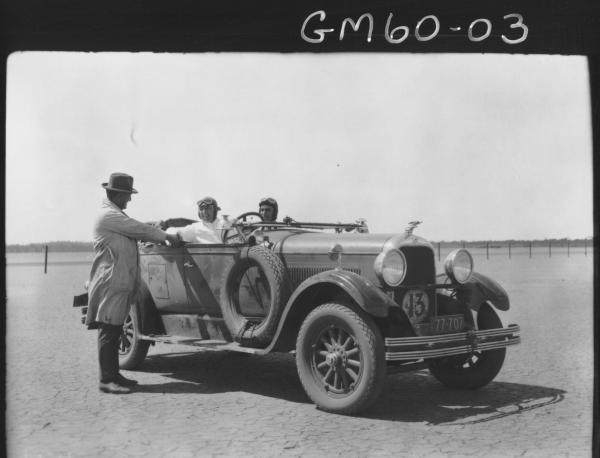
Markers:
point(477, 30)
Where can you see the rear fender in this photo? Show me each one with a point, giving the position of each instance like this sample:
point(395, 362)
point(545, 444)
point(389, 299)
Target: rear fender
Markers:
point(478, 290)
point(149, 317)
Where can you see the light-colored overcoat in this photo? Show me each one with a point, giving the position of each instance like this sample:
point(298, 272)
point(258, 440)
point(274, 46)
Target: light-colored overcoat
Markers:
point(115, 275)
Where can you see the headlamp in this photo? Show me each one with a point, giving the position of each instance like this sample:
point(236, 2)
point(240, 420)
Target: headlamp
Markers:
point(459, 265)
point(390, 267)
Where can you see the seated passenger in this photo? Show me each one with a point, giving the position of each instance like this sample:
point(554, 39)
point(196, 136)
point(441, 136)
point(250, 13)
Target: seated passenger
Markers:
point(267, 207)
point(210, 227)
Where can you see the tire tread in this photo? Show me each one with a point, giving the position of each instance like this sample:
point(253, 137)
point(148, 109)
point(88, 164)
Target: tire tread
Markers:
point(374, 383)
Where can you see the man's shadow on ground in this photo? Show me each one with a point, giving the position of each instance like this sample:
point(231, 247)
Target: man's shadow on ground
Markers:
point(408, 397)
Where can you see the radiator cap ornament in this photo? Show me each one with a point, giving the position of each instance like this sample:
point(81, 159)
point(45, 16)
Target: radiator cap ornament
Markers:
point(411, 227)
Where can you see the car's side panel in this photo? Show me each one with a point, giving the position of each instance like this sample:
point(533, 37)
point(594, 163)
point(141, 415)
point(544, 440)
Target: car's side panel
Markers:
point(196, 327)
point(163, 272)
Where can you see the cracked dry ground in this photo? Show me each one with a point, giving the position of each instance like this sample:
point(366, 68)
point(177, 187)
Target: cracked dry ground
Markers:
point(192, 403)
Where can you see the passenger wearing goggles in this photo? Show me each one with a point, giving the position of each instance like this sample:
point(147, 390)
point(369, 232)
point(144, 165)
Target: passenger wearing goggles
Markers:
point(210, 227)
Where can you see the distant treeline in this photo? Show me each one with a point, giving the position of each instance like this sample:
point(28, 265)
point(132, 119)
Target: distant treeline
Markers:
point(87, 246)
point(52, 246)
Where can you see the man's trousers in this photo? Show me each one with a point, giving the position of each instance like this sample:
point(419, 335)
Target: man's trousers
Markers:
point(108, 351)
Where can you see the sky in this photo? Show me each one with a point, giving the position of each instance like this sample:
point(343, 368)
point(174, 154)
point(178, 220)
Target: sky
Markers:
point(476, 146)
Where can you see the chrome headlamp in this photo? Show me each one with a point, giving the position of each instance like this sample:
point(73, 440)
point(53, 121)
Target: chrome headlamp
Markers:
point(390, 267)
point(459, 265)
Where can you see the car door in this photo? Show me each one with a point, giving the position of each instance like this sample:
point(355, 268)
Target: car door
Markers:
point(204, 265)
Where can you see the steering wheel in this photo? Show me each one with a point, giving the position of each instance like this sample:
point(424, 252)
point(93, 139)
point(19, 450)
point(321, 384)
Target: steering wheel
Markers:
point(242, 232)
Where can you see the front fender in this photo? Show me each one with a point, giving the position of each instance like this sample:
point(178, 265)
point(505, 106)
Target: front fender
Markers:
point(480, 289)
point(319, 289)
point(367, 295)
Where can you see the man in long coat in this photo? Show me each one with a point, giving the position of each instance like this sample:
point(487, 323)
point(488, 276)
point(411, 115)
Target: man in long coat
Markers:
point(115, 276)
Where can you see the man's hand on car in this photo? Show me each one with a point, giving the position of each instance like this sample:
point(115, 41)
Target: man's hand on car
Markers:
point(174, 240)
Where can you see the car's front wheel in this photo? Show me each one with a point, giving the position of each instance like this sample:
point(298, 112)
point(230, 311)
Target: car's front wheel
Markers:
point(477, 369)
point(340, 358)
point(132, 350)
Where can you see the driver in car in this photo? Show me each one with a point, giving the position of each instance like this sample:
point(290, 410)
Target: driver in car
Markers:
point(268, 208)
point(210, 227)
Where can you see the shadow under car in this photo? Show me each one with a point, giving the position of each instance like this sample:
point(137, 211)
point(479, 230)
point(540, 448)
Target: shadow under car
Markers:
point(408, 397)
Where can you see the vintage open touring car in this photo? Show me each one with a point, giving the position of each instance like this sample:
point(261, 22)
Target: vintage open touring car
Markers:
point(350, 304)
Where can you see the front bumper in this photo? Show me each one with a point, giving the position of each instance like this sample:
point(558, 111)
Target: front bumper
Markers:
point(437, 346)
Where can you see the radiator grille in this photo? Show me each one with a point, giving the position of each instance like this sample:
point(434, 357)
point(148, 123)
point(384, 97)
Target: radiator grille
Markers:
point(421, 265)
point(298, 274)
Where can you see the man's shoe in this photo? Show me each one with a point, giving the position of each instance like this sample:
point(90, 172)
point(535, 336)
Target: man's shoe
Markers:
point(125, 381)
point(114, 388)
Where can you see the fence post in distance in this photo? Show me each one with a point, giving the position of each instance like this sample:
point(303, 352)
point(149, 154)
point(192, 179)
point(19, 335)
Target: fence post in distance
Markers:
point(46, 259)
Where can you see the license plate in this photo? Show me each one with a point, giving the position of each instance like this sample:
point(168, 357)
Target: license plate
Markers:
point(447, 324)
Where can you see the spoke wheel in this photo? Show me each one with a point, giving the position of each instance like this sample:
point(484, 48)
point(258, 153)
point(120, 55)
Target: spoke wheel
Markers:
point(340, 359)
point(132, 350)
point(127, 335)
point(337, 361)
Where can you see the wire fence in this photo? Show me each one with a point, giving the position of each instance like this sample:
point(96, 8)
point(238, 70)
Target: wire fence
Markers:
point(531, 248)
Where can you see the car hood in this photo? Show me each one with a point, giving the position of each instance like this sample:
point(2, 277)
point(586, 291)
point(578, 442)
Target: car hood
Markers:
point(292, 242)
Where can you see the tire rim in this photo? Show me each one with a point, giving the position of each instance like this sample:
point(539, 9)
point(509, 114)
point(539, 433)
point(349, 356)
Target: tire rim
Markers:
point(337, 361)
point(126, 338)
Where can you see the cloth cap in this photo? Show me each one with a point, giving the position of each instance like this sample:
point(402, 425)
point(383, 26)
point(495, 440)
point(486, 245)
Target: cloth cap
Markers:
point(208, 201)
point(120, 182)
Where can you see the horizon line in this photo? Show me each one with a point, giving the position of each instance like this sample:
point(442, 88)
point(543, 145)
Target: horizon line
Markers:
point(589, 237)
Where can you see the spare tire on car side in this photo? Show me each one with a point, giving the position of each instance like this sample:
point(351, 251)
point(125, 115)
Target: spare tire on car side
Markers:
point(262, 274)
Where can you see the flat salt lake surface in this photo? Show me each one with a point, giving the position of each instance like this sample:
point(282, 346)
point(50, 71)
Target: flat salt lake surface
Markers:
point(193, 403)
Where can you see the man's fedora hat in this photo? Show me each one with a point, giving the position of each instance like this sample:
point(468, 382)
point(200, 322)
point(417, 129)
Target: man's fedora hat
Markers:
point(120, 182)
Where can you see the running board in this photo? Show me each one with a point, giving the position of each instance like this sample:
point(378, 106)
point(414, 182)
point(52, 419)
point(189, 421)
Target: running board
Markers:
point(207, 344)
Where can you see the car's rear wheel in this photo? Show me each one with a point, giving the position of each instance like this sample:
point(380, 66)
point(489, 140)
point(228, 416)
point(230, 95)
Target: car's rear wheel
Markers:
point(477, 369)
point(132, 350)
point(340, 359)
